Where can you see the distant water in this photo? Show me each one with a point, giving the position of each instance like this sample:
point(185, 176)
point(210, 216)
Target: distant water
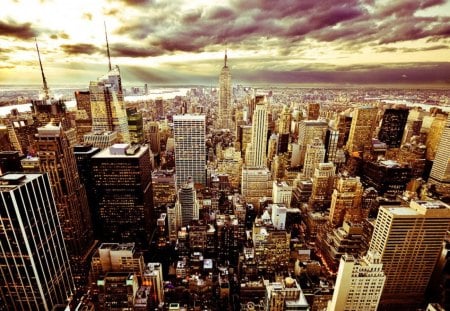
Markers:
point(164, 93)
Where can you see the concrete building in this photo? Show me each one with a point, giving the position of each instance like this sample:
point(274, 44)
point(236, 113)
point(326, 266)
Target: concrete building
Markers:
point(190, 150)
point(255, 184)
point(346, 200)
point(359, 284)
point(285, 295)
point(409, 240)
point(281, 193)
point(315, 154)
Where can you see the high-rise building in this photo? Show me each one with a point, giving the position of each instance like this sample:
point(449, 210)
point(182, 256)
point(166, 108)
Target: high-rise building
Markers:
point(331, 143)
point(187, 205)
point(10, 162)
point(224, 120)
point(83, 156)
point(392, 127)
point(83, 117)
point(153, 136)
point(362, 129)
point(256, 183)
point(322, 187)
point(313, 111)
point(190, 149)
point(282, 193)
point(284, 121)
point(123, 183)
point(315, 154)
point(56, 158)
point(388, 177)
point(108, 106)
point(307, 131)
point(440, 171)
point(409, 240)
point(5, 141)
point(135, 126)
point(34, 263)
point(285, 295)
point(359, 283)
point(346, 200)
point(115, 257)
point(434, 135)
point(256, 152)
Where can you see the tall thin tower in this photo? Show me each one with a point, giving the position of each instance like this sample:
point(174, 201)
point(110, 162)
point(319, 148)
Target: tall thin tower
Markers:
point(34, 266)
point(44, 81)
point(225, 96)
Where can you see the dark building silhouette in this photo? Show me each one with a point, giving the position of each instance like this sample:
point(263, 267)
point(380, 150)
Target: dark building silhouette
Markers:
point(122, 176)
point(392, 127)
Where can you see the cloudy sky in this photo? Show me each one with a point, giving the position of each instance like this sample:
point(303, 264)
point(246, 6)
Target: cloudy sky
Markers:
point(391, 42)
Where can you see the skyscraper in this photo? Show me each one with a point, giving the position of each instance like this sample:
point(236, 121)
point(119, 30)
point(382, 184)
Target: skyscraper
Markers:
point(392, 127)
point(34, 265)
point(123, 183)
point(315, 154)
point(307, 131)
point(187, 205)
point(346, 199)
point(359, 283)
point(224, 120)
point(361, 129)
point(409, 240)
point(108, 106)
point(190, 150)
point(57, 159)
point(256, 151)
point(440, 172)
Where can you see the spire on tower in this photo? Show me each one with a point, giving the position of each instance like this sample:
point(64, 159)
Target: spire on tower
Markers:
point(225, 58)
point(46, 91)
point(107, 48)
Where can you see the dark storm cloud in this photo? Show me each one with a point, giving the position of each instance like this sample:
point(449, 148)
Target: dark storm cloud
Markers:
point(81, 48)
point(127, 51)
point(352, 23)
point(16, 30)
point(413, 73)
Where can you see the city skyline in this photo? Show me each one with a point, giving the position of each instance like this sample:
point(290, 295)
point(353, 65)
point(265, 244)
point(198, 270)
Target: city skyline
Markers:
point(182, 42)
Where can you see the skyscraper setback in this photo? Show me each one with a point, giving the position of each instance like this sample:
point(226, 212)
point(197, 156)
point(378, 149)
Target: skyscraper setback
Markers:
point(34, 265)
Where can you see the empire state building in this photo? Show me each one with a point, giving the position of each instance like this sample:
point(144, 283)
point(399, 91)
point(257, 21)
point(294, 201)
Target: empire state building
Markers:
point(224, 120)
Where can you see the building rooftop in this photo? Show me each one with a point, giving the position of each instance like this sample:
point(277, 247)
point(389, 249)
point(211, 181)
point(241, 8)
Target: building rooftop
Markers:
point(106, 153)
point(196, 117)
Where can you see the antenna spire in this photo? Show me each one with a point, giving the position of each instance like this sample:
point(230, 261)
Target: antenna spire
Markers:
point(107, 47)
point(46, 91)
point(225, 57)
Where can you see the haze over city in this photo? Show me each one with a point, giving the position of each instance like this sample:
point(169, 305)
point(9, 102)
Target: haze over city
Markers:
point(182, 42)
